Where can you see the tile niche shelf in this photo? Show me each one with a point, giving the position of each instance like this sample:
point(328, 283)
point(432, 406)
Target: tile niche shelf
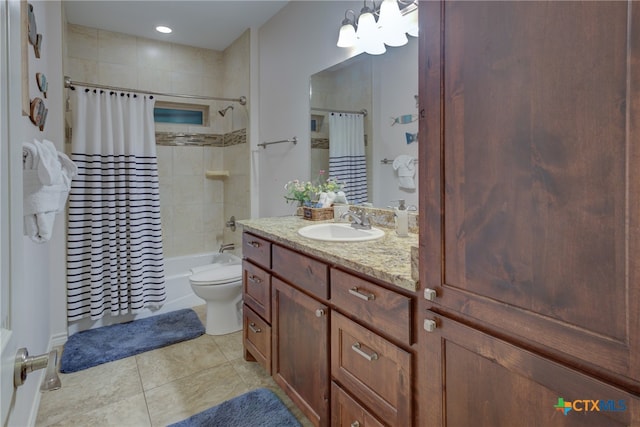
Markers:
point(218, 174)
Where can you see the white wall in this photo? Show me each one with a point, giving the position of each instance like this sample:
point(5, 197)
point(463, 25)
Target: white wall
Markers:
point(299, 41)
point(38, 288)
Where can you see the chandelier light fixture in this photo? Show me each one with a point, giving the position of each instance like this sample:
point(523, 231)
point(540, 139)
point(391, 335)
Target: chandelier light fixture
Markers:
point(395, 19)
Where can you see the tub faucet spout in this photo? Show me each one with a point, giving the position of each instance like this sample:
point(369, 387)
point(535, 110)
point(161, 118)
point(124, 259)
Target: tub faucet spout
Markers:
point(227, 247)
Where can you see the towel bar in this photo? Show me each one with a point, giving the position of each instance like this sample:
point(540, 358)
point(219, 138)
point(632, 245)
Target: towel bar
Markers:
point(264, 144)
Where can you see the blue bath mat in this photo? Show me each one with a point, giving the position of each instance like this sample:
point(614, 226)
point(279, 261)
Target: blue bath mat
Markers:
point(259, 407)
point(108, 343)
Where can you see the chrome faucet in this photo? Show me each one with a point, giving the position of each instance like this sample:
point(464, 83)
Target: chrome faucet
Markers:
point(360, 219)
point(227, 247)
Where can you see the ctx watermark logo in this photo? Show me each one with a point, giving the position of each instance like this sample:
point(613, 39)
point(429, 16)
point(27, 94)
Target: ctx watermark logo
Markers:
point(590, 405)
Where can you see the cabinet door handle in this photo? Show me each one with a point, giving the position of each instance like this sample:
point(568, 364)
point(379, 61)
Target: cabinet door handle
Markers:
point(254, 243)
point(358, 349)
point(254, 278)
point(429, 325)
point(367, 297)
point(252, 327)
point(430, 294)
point(355, 424)
point(320, 312)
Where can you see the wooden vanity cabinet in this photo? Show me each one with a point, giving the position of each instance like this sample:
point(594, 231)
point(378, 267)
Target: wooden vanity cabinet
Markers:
point(345, 411)
point(256, 295)
point(530, 211)
point(370, 367)
point(257, 338)
point(371, 356)
point(300, 342)
point(479, 380)
point(257, 289)
point(341, 346)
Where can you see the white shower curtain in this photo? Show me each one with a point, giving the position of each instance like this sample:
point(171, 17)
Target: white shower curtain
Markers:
point(114, 250)
point(347, 158)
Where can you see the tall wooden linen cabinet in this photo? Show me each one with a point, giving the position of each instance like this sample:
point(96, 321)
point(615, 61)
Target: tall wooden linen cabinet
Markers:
point(529, 214)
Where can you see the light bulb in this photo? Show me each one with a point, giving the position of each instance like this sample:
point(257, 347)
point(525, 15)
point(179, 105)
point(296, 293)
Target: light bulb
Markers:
point(163, 29)
point(366, 25)
point(411, 23)
point(391, 24)
point(347, 37)
point(389, 14)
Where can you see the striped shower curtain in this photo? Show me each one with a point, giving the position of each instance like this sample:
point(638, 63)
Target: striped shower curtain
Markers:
point(114, 247)
point(347, 158)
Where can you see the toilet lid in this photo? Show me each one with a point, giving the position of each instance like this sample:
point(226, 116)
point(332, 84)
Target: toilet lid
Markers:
point(217, 274)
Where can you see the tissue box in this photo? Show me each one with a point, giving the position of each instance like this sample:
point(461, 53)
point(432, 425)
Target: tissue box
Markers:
point(317, 214)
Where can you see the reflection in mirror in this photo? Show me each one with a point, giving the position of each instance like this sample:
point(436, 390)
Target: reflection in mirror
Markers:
point(386, 87)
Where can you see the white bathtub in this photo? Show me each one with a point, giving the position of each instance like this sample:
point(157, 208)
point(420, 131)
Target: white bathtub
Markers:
point(179, 293)
point(176, 273)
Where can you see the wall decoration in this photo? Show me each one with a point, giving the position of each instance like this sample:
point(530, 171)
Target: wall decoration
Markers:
point(34, 38)
point(43, 84)
point(38, 113)
point(404, 119)
point(411, 137)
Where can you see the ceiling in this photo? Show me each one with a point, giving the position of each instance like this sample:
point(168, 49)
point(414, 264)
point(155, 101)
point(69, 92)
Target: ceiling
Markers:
point(209, 24)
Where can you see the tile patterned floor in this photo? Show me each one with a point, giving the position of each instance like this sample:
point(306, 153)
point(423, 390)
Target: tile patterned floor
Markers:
point(158, 387)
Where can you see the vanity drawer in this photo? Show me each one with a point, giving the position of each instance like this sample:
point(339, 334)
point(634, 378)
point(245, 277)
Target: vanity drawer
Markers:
point(256, 249)
point(302, 271)
point(256, 285)
point(372, 368)
point(347, 412)
point(383, 309)
point(257, 337)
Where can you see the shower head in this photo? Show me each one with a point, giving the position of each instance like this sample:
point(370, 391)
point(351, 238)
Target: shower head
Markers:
point(224, 110)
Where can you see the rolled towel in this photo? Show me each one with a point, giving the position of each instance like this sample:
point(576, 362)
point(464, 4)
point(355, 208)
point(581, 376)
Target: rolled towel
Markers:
point(40, 204)
point(39, 227)
point(405, 169)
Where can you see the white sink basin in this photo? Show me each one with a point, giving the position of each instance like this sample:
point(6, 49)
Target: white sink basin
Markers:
point(333, 232)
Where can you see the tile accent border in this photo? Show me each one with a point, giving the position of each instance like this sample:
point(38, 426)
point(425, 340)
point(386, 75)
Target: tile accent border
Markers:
point(201, 139)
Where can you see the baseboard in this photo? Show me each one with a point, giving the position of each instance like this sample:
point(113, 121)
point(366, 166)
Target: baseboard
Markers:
point(58, 340)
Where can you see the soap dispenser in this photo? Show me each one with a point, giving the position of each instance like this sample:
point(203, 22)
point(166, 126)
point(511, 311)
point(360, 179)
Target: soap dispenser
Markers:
point(402, 221)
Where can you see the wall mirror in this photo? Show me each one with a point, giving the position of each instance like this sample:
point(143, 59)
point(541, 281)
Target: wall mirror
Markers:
point(386, 86)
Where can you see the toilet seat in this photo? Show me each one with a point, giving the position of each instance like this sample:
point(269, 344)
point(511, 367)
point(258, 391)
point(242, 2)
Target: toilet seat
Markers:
point(217, 275)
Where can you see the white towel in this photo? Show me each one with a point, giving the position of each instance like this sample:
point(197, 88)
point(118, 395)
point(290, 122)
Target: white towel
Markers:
point(406, 169)
point(49, 168)
point(29, 155)
point(69, 170)
point(42, 201)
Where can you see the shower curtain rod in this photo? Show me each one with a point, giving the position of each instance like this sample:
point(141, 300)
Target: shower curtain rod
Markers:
point(68, 83)
point(364, 112)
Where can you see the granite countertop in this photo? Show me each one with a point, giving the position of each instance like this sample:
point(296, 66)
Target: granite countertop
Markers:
point(387, 259)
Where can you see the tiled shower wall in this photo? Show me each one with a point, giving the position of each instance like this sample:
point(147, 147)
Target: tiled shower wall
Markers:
point(194, 209)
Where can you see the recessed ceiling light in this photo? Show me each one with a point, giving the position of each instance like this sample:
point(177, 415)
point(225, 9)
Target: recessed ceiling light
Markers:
point(163, 29)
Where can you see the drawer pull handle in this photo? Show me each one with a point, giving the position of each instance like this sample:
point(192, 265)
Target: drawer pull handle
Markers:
point(367, 297)
point(254, 278)
point(254, 244)
point(355, 424)
point(370, 357)
point(252, 327)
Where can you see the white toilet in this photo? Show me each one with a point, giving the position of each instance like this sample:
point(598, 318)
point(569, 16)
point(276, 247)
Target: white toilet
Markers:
point(220, 285)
